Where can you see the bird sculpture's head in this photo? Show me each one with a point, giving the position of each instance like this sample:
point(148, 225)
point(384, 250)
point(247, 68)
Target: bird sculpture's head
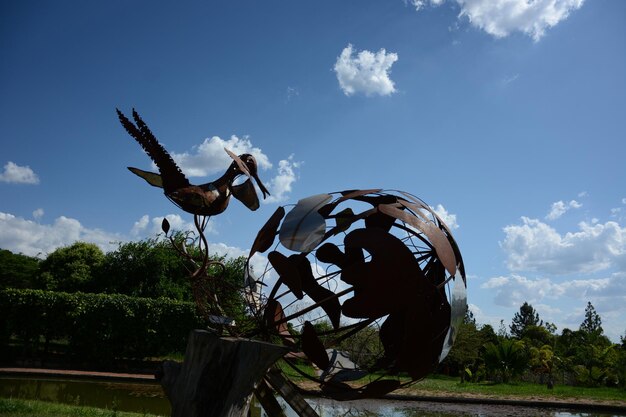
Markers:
point(250, 163)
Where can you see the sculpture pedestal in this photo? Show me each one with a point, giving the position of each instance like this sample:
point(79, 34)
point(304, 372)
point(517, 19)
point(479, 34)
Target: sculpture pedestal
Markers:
point(218, 375)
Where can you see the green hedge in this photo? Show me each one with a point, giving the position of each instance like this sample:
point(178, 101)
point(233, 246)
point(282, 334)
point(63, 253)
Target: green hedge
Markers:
point(96, 325)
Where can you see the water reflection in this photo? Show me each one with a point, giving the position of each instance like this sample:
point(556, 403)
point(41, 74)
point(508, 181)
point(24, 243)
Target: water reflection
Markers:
point(149, 398)
point(135, 396)
point(386, 408)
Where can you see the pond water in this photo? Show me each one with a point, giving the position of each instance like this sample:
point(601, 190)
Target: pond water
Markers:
point(123, 396)
point(149, 398)
point(389, 408)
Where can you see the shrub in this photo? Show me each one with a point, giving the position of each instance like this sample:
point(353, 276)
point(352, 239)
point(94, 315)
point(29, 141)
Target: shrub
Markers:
point(97, 326)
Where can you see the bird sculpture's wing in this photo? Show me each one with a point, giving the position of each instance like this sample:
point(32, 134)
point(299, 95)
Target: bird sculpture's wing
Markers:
point(151, 177)
point(172, 177)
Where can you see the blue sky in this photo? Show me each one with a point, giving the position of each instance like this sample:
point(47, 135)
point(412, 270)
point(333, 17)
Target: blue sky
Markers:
point(507, 117)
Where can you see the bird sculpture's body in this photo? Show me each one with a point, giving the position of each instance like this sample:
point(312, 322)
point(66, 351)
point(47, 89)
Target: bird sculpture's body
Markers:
point(206, 199)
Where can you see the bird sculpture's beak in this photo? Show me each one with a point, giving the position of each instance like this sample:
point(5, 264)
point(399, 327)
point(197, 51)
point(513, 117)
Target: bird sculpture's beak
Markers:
point(261, 186)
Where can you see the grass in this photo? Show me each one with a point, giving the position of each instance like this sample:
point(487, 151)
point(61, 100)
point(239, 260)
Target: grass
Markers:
point(438, 384)
point(29, 408)
point(442, 385)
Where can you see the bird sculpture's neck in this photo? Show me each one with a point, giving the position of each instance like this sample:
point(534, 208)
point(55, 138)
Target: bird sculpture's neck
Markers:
point(222, 183)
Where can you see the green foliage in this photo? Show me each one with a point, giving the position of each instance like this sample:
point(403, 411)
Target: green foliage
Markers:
point(17, 270)
point(506, 359)
point(590, 357)
point(465, 353)
point(71, 268)
point(12, 407)
point(438, 384)
point(537, 336)
point(488, 334)
point(228, 290)
point(364, 347)
point(97, 326)
point(542, 359)
point(147, 268)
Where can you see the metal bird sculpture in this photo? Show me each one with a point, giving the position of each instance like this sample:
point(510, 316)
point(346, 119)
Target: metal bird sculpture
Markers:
point(203, 200)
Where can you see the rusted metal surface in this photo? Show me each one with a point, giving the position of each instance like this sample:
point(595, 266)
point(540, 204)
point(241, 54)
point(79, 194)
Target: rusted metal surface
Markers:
point(203, 200)
point(366, 262)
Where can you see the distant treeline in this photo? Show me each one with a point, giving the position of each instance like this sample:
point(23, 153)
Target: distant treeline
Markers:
point(530, 349)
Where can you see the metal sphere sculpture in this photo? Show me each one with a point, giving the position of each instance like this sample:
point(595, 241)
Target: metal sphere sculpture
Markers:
point(367, 285)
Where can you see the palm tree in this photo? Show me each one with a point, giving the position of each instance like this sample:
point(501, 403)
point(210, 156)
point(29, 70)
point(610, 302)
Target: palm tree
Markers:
point(507, 358)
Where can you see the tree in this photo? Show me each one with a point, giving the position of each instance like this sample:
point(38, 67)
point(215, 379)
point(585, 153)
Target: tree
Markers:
point(589, 355)
point(465, 352)
point(71, 268)
point(506, 359)
point(146, 268)
point(542, 361)
point(488, 334)
point(469, 317)
point(229, 290)
point(363, 348)
point(527, 316)
point(17, 270)
point(502, 333)
point(592, 324)
point(537, 336)
point(152, 268)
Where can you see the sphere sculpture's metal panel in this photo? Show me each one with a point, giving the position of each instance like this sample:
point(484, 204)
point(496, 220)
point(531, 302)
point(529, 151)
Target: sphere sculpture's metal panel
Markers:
point(373, 272)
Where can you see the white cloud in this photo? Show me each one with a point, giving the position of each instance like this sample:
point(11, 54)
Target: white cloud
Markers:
point(280, 185)
point(500, 18)
point(38, 214)
point(420, 4)
point(623, 200)
point(209, 157)
point(513, 290)
point(448, 218)
point(146, 227)
point(33, 239)
point(292, 92)
point(607, 294)
point(560, 207)
point(535, 246)
point(548, 311)
point(508, 80)
point(366, 73)
point(16, 174)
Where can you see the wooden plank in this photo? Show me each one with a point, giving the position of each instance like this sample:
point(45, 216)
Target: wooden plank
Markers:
point(218, 376)
point(291, 395)
point(265, 395)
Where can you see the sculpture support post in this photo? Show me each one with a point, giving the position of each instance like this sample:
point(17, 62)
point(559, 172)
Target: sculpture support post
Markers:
point(218, 375)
